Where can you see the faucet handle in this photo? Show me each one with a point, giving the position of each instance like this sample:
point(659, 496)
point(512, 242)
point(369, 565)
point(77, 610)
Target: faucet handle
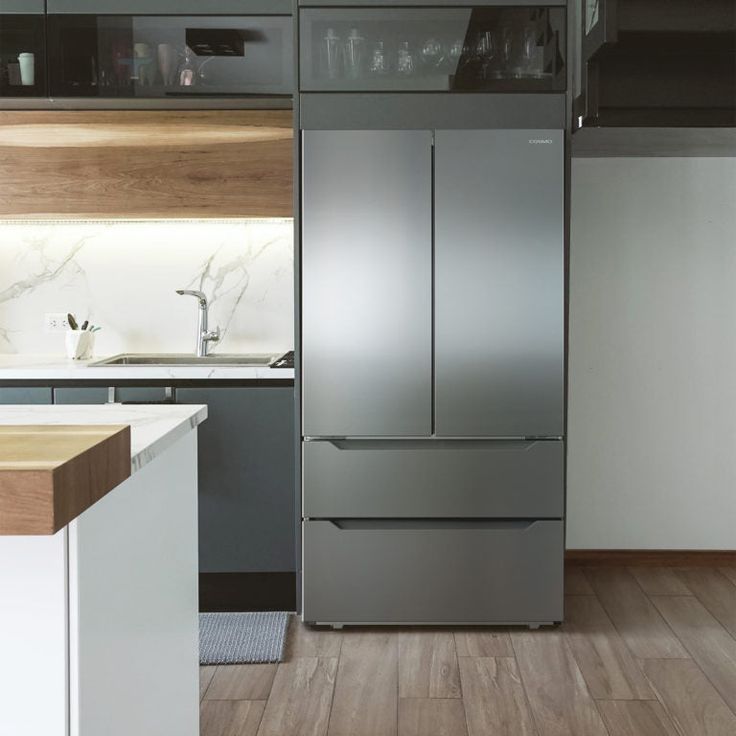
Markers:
point(213, 335)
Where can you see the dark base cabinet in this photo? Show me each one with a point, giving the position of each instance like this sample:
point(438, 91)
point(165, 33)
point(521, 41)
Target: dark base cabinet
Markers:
point(24, 395)
point(246, 479)
point(246, 486)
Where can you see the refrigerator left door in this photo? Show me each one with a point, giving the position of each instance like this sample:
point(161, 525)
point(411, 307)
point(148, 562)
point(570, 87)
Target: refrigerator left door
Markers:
point(367, 283)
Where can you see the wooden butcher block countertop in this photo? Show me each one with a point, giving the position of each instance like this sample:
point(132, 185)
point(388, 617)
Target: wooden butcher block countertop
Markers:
point(50, 474)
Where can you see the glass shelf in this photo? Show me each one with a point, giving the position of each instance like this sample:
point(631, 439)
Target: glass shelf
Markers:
point(122, 56)
point(22, 56)
point(485, 49)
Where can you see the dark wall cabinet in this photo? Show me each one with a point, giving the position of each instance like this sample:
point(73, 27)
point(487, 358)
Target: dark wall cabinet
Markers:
point(159, 50)
point(658, 63)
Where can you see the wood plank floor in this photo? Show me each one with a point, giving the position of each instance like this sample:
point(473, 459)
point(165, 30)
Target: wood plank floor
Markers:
point(642, 652)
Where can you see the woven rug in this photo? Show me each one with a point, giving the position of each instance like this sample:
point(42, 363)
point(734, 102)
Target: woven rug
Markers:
point(242, 638)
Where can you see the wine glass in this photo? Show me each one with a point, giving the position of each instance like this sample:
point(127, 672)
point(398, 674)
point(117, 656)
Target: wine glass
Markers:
point(432, 53)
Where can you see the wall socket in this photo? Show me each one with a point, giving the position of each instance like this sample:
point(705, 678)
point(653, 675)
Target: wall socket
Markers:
point(55, 322)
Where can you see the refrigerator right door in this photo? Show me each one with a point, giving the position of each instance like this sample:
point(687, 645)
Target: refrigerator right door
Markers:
point(499, 283)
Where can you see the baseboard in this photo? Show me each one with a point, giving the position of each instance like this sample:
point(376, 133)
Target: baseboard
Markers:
point(654, 557)
point(247, 591)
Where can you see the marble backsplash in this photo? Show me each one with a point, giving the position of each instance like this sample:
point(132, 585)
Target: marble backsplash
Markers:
point(122, 276)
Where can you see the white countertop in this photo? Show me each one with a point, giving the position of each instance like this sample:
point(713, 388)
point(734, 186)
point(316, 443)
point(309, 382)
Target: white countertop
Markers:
point(50, 368)
point(153, 428)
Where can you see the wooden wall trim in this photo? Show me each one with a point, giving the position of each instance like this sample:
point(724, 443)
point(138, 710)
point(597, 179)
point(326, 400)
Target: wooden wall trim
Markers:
point(648, 557)
point(146, 164)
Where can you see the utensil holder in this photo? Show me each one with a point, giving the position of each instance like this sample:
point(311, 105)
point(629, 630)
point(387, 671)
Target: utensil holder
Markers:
point(79, 344)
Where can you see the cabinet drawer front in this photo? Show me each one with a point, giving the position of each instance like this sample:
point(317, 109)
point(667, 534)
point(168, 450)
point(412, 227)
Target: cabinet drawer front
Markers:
point(433, 572)
point(429, 478)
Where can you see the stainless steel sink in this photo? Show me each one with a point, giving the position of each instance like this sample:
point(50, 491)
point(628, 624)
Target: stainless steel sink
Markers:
point(184, 360)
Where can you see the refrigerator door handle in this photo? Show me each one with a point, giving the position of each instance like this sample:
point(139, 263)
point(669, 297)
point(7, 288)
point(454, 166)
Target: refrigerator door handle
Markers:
point(435, 444)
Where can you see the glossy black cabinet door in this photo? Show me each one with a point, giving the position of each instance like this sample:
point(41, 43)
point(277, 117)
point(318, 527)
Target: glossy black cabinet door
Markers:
point(22, 55)
point(145, 56)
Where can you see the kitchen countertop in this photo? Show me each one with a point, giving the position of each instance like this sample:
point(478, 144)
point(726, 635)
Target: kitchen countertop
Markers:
point(153, 428)
point(55, 368)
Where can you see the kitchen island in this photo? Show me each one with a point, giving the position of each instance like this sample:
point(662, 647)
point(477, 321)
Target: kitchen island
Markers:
point(98, 611)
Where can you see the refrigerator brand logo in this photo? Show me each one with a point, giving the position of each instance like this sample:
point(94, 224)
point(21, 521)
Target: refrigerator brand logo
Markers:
point(539, 141)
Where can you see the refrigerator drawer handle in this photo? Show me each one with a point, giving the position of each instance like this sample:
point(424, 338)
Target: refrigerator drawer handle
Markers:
point(434, 444)
point(407, 524)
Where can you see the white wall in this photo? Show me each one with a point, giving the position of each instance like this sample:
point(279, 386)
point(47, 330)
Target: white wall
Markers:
point(122, 275)
point(652, 412)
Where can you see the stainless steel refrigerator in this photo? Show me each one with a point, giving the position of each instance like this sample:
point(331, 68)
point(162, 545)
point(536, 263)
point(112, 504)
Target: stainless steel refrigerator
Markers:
point(432, 375)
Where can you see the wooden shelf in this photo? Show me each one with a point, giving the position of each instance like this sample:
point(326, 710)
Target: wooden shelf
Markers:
point(136, 164)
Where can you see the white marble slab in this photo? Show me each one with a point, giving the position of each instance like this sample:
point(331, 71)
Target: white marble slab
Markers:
point(153, 428)
point(123, 276)
point(52, 367)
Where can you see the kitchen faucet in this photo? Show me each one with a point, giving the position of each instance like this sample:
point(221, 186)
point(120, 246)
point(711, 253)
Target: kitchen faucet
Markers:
point(204, 336)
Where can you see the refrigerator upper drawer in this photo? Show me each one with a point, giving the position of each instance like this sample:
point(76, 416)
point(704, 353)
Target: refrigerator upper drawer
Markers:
point(430, 572)
point(433, 478)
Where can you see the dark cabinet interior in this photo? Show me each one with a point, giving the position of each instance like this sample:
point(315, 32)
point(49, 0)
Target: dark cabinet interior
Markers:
point(658, 63)
point(146, 56)
point(22, 55)
point(466, 49)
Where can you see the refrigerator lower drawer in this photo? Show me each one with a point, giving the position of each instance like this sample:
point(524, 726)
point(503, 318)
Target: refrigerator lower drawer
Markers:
point(433, 478)
point(444, 572)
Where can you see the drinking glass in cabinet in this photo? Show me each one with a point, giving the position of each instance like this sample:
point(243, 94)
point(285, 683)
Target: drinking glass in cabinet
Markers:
point(354, 54)
point(485, 49)
point(379, 61)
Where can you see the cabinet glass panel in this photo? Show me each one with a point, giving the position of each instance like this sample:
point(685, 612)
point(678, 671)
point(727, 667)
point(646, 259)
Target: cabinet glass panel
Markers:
point(22, 63)
point(167, 56)
point(488, 49)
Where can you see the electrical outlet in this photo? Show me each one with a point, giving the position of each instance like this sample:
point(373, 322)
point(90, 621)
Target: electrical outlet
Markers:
point(55, 322)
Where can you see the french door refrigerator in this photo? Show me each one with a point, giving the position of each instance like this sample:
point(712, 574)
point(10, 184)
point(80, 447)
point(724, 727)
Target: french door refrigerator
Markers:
point(432, 375)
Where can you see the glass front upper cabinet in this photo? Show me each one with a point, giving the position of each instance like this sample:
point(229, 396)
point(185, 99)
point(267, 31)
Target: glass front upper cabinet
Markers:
point(482, 49)
point(22, 55)
point(169, 56)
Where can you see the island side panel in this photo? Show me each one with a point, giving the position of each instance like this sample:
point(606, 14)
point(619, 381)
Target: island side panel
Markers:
point(33, 635)
point(133, 574)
